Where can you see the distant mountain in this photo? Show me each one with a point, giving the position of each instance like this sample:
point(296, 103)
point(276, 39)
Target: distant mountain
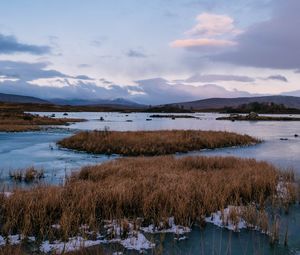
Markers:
point(95, 102)
point(219, 103)
point(10, 98)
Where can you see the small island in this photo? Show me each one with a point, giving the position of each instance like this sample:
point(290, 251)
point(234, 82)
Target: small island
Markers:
point(255, 117)
point(152, 143)
point(173, 116)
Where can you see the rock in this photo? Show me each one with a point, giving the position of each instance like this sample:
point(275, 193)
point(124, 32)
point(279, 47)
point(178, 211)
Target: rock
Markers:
point(234, 115)
point(252, 115)
point(296, 135)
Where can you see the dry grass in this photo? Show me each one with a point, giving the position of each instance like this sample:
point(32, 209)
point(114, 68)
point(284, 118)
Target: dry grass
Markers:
point(27, 175)
point(151, 143)
point(12, 250)
point(152, 188)
point(14, 121)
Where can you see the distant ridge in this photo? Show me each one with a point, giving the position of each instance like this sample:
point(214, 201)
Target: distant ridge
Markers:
point(95, 102)
point(10, 98)
point(219, 103)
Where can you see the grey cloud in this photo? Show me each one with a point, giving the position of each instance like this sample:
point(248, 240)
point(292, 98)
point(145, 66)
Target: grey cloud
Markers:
point(10, 45)
point(83, 65)
point(135, 54)
point(28, 71)
point(278, 78)
point(160, 91)
point(99, 41)
point(104, 81)
point(83, 77)
point(274, 43)
point(151, 91)
point(207, 78)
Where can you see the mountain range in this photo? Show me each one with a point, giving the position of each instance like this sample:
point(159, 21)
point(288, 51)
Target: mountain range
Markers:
point(198, 105)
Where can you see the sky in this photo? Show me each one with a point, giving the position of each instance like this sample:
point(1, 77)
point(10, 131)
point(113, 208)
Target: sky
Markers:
point(151, 52)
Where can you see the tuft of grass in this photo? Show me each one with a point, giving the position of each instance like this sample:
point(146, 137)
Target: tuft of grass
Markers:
point(154, 189)
point(152, 143)
point(27, 175)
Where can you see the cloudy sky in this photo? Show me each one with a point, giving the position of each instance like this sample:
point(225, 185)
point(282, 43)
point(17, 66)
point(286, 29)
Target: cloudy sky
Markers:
point(153, 52)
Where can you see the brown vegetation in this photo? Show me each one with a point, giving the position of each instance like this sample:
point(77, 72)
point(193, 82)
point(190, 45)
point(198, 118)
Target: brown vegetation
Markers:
point(12, 250)
point(150, 143)
point(239, 117)
point(18, 121)
point(152, 188)
point(27, 175)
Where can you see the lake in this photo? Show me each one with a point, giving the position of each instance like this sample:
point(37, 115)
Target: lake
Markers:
point(20, 150)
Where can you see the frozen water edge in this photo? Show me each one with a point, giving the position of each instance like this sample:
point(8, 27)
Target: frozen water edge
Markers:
point(173, 228)
point(221, 219)
point(14, 240)
point(135, 241)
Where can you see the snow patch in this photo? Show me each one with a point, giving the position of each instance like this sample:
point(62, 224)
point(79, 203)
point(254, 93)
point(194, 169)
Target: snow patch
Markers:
point(73, 244)
point(222, 219)
point(173, 228)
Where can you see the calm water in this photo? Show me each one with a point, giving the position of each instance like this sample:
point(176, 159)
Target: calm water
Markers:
point(19, 150)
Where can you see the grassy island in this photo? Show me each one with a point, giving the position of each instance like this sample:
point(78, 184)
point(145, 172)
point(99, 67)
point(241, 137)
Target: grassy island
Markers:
point(256, 117)
point(18, 121)
point(151, 143)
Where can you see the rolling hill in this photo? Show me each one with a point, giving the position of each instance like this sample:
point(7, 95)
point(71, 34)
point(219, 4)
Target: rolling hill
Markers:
point(10, 98)
point(219, 103)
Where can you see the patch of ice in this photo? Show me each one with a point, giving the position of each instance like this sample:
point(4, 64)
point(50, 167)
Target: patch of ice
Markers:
point(173, 228)
point(14, 240)
point(73, 244)
point(137, 242)
point(222, 219)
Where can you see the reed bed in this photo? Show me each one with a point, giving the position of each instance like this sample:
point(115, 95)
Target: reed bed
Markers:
point(152, 143)
point(154, 188)
point(15, 121)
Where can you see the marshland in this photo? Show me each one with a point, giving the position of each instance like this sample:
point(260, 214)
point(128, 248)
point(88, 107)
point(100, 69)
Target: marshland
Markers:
point(172, 201)
point(19, 121)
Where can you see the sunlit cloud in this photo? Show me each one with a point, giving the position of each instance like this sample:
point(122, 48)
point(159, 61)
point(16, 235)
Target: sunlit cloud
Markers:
point(211, 25)
point(204, 42)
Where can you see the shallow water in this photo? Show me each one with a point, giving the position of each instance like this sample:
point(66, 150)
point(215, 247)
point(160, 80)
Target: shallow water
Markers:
point(20, 150)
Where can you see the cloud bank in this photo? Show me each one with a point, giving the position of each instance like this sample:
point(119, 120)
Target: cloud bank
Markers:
point(36, 79)
point(10, 45)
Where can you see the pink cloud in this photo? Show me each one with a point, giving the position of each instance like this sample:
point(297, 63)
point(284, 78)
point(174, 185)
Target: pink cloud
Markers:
point(211, 31)
point(210, 25)
point(202, 42)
